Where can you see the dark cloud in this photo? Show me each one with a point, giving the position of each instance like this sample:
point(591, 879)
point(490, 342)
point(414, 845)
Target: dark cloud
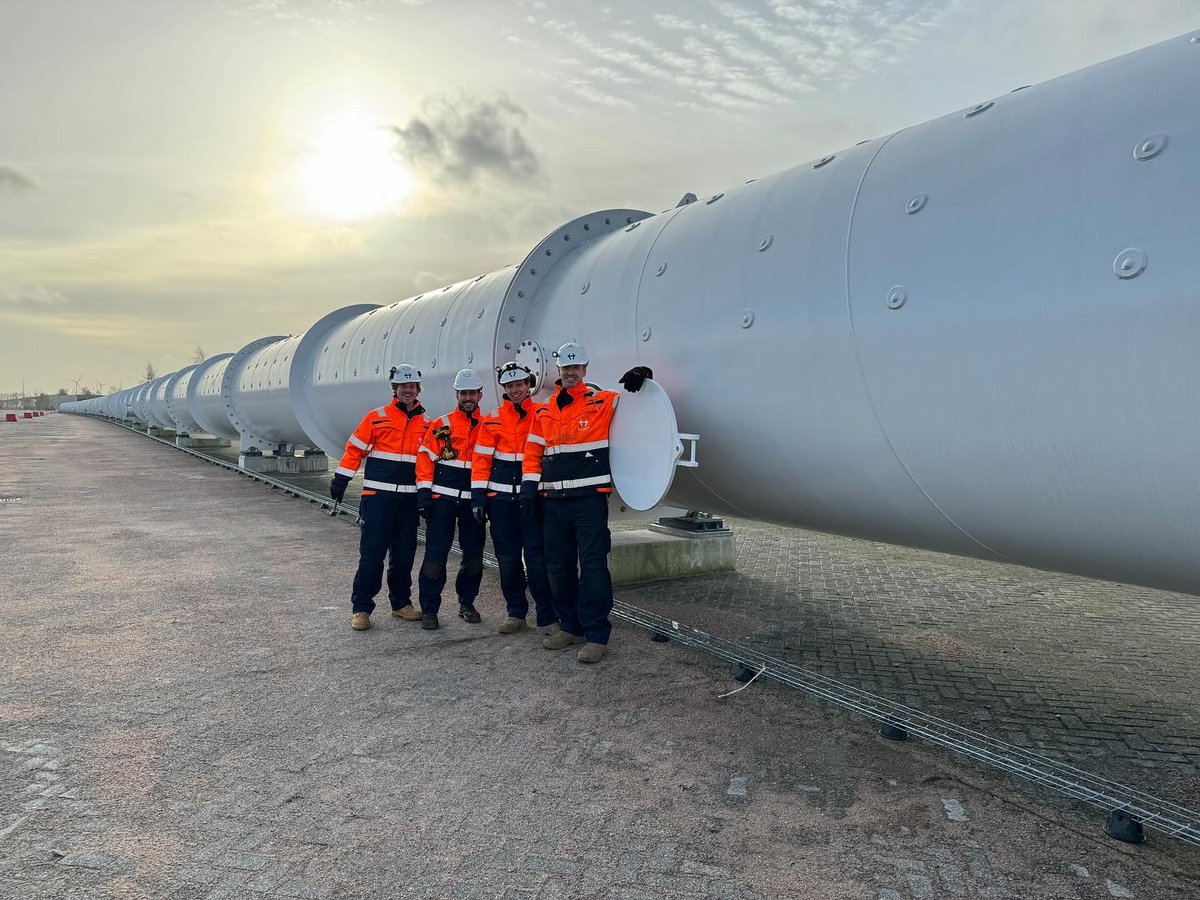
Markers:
point(458, 140)
point(12, 180)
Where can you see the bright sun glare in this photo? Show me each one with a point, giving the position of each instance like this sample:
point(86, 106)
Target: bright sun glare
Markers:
point(351, 172)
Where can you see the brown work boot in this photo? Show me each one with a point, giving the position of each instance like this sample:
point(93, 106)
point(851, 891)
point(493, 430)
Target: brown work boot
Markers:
point(408, 613)
point(552, 628)
point(360, 621)
point(512, 625)
point(592, 653)
point(561, 641)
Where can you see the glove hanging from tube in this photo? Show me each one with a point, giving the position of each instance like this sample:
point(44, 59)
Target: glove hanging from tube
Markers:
point(635, 378)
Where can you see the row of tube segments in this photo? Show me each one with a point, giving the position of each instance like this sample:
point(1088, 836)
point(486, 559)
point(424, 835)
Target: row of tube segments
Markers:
point(305, 393)
point(976, 335)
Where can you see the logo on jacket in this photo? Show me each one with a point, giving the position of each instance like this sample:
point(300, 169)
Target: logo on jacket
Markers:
point(441, 434)
point(583, 424)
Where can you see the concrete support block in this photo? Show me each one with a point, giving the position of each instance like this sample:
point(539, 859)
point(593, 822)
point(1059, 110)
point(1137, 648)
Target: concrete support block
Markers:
point(195, 442)
point(645, 555)
point(284, 465)
point(161, 432)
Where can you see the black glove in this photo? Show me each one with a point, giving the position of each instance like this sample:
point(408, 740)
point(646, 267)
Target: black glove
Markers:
point(478, 504)
point(529, 492)
point(337, 487)
point(425, 503)
point(635, 378)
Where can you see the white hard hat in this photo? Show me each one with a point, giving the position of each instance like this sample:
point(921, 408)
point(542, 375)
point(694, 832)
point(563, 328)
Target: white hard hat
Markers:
point(571, 354)
point(512, 371)
point(404, 373)
point(468, 380)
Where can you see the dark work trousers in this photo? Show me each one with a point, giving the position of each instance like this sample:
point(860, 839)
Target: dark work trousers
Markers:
point(439, 535)
point(517, 532)
point(576, 530)
point(389, 528)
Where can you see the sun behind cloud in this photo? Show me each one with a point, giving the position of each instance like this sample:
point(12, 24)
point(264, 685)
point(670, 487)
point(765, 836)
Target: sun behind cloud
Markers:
point(351, 171)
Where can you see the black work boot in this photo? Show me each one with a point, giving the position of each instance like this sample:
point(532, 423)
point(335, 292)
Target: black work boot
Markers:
point(468, 613)
point(429, 622)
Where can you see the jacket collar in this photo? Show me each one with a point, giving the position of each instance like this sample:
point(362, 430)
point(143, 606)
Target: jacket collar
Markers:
point(471, 420)
point(417, 409)
point(521, 408)
point(566, 396)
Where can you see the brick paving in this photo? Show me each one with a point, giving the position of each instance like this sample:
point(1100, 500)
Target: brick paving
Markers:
point(1100, 676)
point(184, 712)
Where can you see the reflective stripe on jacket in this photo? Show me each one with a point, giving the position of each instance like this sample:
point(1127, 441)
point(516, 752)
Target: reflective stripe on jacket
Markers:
point(444, 463)
point(389, 437)
point(500, 449)
point(567, 447)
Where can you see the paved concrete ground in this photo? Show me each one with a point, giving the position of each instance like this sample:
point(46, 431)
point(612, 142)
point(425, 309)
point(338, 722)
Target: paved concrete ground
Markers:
point(1101, 676)
point(185, 713)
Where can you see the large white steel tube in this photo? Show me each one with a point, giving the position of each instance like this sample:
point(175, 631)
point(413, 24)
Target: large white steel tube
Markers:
point(260, 395)
point(439, 332)
point(156, 403)
point(205, 403)
point(304, 376)
point(134, 394)
point(943, 338)
point(123, 408)
point(234, 379)
point(176, 401)
point(113, 405)
point(270, 394)
point(141, 404)
point(975, 335)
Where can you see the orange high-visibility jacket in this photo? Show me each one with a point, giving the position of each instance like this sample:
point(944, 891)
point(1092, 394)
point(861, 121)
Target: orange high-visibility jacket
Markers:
point(500, 449)
point(567, 447)
point(389, 437)
point(444, 463)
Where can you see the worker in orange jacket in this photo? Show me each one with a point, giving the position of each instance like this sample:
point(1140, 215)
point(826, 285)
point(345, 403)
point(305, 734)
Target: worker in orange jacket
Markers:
point(566, 462)
point(388, 438)
point(444, 500)
point(495, 494)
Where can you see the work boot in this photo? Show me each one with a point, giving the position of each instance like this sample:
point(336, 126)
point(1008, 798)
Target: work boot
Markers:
point(429, 622)
point(408, 613)
point(360, 621)
point(468, 613)
point(561, 640)
point(547, 630)
point(511, 625)
point(592, 653)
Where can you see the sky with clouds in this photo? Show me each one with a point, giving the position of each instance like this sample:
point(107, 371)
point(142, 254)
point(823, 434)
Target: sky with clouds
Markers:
point(180, 174)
